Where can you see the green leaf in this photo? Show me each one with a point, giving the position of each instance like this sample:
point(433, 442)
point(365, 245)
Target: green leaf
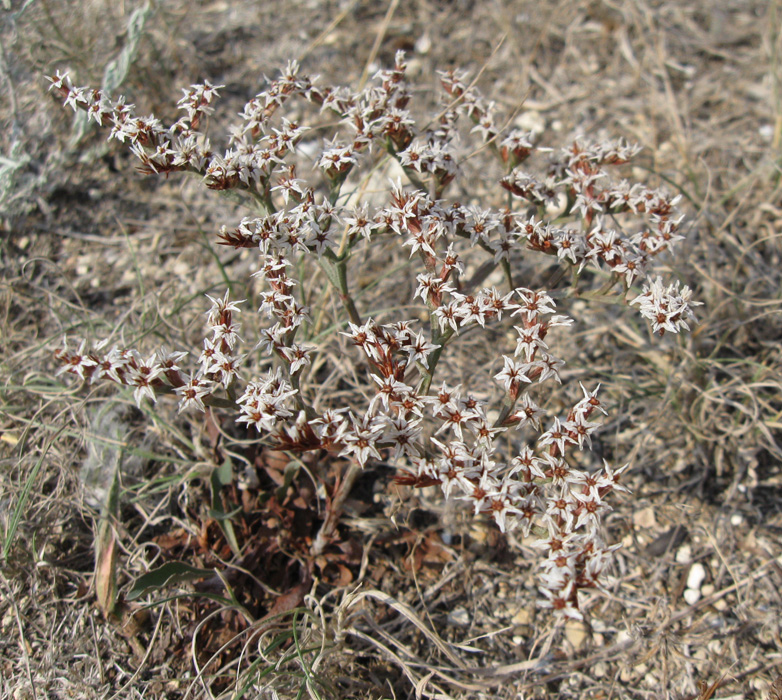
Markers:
point(223, 476)
point(329, 265)
point(167, 575)
point(225, 472)
point(24, 496)
point(115, 74)
point(106, 549)
point(221, 515)
point(117, 70)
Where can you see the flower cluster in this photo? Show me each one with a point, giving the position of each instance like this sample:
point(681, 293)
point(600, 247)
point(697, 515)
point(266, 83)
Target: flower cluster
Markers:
point(160, 373)
point(668, 308)
point(501, 459)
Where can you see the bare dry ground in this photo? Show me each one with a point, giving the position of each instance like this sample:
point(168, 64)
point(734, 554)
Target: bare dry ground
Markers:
point(419, 600)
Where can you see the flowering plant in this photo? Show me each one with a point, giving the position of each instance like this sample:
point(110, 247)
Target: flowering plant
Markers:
point(433, 433)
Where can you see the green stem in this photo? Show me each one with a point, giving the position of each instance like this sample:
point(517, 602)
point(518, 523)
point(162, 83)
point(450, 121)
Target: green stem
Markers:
point(299, 398)
point(335, 507)
point(508, 404)
point(335, 185)
point(344, 294)
point(336, 270)
point(560, 272)
point(411, 174)
point(434, 357)
point(480, 276)
point(599, 294)
point(265, 198)
point(508, 273)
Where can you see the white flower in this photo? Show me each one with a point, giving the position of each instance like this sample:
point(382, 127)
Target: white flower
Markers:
point(610, 478)
point(362, 437)
point(297, 355)
point(668, 308)
point(359, 222)
point(549, 366)
point(141, 374)
point(532, 304)
point(529, 342)
point(192, 393)
point(528, 411)
point(389, 388)
point(331, 425)
point(264, 401)
point(403, 434)
point(419, 350)
point(527, 465)
point(502, 507)
point(557, 435)
point(75, 363)
point(512, 373)
point(561, 601)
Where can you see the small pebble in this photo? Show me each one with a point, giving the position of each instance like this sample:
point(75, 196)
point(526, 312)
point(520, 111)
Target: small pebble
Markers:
point(459, 617)
point(701, 654)
point(522, 617)
point(684, 554)
point(696, 576)
point(645, 518)
point(576, 633)
point(424, 44)
point(531, 120)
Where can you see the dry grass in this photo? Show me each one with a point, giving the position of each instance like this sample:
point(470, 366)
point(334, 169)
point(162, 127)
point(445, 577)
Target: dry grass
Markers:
point(425, 601)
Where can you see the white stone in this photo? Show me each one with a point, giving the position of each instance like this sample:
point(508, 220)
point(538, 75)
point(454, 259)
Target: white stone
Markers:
point(692, 596)
point(645, 518)
point(522, 617)
point(684, 554)
point(696, 576)
point(556, 208)
point(576, 633)
point(700, 653)
point(531, 120)
point(423, 44)
point(459, 617)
